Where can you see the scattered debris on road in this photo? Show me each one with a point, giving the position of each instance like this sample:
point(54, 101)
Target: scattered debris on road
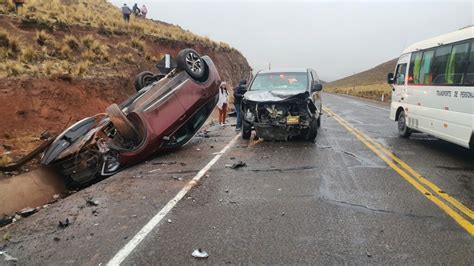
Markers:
point(164, 163)
point(169, 221)
point(64, 224)
point(236, 165)
point(200, 254)
point(92, 202)
point(368, 253)
point(7, 257)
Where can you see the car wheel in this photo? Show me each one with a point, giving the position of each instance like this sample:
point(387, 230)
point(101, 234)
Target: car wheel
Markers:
point(191, 62)
point(312, 131)
point(144, 79)
point(246, 130)
point(403, 130)
point(121, 123)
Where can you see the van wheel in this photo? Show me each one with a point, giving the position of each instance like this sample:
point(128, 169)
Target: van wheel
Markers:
point(403, 130)
point(246, 130)
point(121, 123)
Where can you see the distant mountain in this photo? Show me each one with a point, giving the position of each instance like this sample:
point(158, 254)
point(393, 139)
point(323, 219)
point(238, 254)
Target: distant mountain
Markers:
point(376, 75)
point(370, 84)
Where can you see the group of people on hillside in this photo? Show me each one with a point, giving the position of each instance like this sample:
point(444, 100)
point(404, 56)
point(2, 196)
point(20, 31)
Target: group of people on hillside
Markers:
point(223, 102)
point(135, 10)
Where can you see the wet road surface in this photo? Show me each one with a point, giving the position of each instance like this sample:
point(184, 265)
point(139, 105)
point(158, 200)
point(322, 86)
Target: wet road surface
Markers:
point(337, 201)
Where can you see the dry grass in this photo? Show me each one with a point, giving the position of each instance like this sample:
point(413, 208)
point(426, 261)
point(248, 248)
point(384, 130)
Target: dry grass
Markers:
point(137, 44)
point(43, 38)
point(373, 91)
point(46, 54)
point(109, 19)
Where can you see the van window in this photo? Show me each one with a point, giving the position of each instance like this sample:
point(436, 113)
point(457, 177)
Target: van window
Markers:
point(414, 70)
point(457, 64)
point(469, 78)
point(400, 74)
point(440, 61)
point(425, 75)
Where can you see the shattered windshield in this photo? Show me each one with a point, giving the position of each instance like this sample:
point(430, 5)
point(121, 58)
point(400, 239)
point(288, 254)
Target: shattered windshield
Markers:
point(280, 81)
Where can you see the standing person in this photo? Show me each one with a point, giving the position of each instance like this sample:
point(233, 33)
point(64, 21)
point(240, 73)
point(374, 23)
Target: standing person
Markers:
point(144, 11)
point(222, 102)
point(136, 10)
point(239, 92)
point(126, 11)
point(18, 4)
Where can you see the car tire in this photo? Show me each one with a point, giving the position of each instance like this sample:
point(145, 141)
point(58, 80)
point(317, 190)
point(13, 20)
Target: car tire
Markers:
point(144, 79)
point(319, 121)
point(312, 132)
point(246, 130)
point(121, 123)
point(403, 130)
point(191, 62)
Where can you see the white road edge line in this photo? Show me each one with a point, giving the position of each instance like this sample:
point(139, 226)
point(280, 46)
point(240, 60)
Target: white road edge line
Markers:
point(135, 241)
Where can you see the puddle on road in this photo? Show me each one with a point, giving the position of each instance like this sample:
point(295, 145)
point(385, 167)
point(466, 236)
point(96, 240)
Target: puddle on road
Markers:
point(31, 189)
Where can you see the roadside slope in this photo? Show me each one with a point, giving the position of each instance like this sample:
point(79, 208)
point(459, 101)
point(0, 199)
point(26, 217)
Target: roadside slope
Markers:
point(60, 62)
point(368, 84)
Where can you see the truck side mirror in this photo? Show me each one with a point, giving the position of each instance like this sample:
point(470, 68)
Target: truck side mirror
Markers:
point(317, 87)
point(390, 78)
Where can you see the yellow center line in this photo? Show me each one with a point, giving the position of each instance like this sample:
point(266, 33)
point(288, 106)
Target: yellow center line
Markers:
point(418, 176)
point(469, 227)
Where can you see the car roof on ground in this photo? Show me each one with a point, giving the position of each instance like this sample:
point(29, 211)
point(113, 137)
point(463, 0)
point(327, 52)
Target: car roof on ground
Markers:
point(284, 70)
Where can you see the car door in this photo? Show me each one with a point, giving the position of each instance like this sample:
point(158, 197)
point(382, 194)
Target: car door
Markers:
point(316, 96)
point(399, 88)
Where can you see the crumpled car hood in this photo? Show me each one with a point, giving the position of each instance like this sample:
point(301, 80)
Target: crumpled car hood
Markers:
point(272, 96)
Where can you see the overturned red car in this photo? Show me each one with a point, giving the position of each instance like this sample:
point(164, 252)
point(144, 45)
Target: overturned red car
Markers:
point(163, 115)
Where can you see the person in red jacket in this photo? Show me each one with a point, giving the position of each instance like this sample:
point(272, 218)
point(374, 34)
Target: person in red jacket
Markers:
point(18, 4)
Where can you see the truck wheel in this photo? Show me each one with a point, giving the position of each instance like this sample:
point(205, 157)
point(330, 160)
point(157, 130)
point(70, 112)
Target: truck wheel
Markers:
point(121, 123)
point(403, 130)
point(191, 62)
point(246, 130)
point(144, 79)
point(312, 131)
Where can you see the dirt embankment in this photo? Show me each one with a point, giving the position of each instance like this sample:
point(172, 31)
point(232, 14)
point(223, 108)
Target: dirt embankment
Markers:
point(31, 105)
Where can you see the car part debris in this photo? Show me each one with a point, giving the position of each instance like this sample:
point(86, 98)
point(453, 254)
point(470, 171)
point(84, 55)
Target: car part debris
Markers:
point(238, 164)
point(7, 257)
point(6, 220)
point(27, 212)
point(169, 221)
point(92, 202)
point(164, 163)
point(64, 224)
point(200, 254)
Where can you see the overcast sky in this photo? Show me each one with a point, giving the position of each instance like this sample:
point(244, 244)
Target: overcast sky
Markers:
point(335, 38)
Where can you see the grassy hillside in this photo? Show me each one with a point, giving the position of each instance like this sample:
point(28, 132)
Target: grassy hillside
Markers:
point(368, 84)
point(82, 38)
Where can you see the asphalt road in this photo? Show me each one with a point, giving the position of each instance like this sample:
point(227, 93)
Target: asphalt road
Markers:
point(359, 195)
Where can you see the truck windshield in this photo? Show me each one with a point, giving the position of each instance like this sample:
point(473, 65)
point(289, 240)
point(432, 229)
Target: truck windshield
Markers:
point(280, 81)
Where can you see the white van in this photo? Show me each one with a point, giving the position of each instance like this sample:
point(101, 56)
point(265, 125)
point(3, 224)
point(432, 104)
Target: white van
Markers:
point(433, 88)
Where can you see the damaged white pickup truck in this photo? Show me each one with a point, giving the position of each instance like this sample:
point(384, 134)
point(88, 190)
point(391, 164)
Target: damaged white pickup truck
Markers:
point(281, 104)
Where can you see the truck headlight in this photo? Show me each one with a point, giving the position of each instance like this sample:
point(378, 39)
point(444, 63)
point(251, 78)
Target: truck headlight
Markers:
point(249, 116)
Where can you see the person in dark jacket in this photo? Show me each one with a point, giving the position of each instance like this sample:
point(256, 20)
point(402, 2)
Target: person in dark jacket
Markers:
point(239, 92)
point(136, 10)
